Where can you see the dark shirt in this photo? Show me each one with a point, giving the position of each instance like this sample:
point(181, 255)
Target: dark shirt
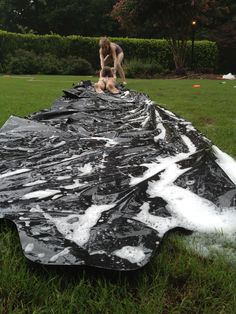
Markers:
point(118, 49)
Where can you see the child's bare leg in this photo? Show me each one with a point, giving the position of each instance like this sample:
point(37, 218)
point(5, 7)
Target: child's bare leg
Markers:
point(121, 72)
point(99, 87)
point(112, 88)
point(119, 68)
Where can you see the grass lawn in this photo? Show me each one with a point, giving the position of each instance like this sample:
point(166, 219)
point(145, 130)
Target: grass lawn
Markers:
point(176, 281)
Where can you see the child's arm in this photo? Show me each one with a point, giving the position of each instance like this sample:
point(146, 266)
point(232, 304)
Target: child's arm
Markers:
point(106, 57)
point(101, 58)
point(113, 72)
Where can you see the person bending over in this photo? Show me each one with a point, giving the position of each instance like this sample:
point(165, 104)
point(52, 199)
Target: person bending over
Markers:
point(107, 81)
point(111, 51)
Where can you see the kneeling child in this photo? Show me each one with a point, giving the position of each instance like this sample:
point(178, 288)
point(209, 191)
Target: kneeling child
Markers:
point(107, 81)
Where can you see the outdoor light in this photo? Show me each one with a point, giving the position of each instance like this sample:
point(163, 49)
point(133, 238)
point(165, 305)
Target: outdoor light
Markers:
point(194, 23)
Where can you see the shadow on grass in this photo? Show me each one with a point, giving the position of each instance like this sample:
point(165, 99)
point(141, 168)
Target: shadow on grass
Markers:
point(76, 273)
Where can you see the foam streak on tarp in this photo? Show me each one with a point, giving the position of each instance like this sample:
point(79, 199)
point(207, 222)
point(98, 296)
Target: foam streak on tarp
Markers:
point(99, 179)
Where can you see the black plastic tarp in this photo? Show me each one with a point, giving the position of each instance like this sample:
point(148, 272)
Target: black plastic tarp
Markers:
point(98, 179)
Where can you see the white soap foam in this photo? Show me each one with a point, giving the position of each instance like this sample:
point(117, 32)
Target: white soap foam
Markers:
point(226, 162)
point(77, 227)
point(134, 254)
point(160, 126)
point(57, 196)
point(54, 258)
point(162, 163)
point(98, 252)
point(62, 143)
point(61, 178)
point(109, 141)
point(126, 93)
point(23, 218)
point(40, 194)
point(190, 210)
point(190, 127)
point(144, 123)
point(161, 135)
point(189, 144)
point(41, 255)
point(160, 224)
point(36, 209)
point(86, 169)
point(215, 244)
point(29, 247)
point(149, 102)
point(139, 118)
point(101, 165)
point(34, 183)
point(12, 173)
point(75, 185)
point(70, 158)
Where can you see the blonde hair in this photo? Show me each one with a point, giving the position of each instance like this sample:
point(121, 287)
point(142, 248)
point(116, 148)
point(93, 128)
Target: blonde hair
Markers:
point(104, 44)
point(104, 41)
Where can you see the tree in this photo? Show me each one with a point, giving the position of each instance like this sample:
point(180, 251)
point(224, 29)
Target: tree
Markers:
point(172, 20)
point(20, 15)
point(222, 23)
point(64, 17)
point(222, 29)
point(81, 17)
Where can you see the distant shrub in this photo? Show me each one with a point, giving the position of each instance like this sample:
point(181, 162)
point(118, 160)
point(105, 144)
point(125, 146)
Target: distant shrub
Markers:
point(22, 62)
point(142, 69)
point(50, 64)
point(28, 62)
point(76, 66)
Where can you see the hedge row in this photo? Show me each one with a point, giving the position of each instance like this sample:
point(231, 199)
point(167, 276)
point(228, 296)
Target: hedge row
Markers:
point(205, 52)
point(28, 62)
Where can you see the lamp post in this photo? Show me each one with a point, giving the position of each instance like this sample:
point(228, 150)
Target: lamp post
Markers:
point(194, 23)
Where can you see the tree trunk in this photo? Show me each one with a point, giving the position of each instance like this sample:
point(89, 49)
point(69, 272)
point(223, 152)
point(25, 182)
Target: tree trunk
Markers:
point(178, 49)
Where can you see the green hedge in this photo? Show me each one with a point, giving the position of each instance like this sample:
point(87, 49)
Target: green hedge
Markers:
point(206, 52)
point(28, 62)
point(136, 68)
point(206, 55)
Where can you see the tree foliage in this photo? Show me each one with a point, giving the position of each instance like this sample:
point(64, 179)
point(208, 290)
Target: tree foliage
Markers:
point(222, 24)
point(65, 17)
point(171, 20)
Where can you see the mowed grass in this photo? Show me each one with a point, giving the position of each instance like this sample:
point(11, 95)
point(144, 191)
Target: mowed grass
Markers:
point(176, 280)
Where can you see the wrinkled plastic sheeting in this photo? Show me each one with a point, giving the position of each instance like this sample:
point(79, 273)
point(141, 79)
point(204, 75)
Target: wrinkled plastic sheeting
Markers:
point(86, 182)
point(228, 76)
